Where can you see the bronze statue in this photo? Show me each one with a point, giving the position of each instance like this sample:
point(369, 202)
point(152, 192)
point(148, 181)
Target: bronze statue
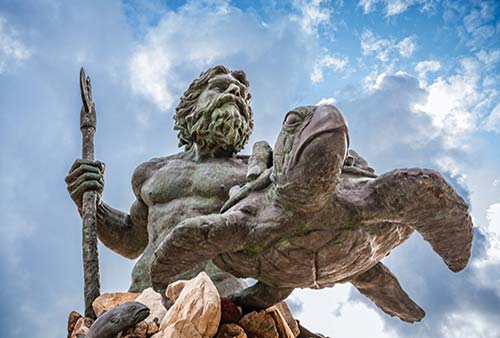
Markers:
point(214, 121)
point(311, 213)
point(317, 225)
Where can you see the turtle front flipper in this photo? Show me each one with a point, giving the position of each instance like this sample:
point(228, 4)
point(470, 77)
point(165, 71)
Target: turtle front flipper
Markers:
point(419, 198)
point(196, 240)
point(259, 296)
point(382, 287)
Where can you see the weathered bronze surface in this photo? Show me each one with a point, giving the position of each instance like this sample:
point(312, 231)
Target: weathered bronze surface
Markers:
point(311, 213)
point(214, 121)
point(316, 225)
point(113, 322)
point(89, 200)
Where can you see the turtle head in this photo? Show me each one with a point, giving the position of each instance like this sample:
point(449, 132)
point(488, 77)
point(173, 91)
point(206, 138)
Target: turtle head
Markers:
point(308, 156)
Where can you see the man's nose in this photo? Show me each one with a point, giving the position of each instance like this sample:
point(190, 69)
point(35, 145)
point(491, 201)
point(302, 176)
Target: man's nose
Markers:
point(233, 89)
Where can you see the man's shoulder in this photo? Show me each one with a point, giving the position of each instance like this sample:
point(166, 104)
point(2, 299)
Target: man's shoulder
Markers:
point(146, 169)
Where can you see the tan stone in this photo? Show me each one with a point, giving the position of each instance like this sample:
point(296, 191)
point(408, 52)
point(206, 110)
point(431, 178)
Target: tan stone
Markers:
point(152, 329)
point(281, 325)
point(154, 302)
point(199, 305)
point(108, 301)
point(259, 325)
point(288, 316)
point(174, 290)
point(72, 319)
point(82, 326)
point(231, 330)
point(180, 329)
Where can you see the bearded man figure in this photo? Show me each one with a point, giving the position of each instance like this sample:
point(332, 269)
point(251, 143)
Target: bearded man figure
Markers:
point(214, 122)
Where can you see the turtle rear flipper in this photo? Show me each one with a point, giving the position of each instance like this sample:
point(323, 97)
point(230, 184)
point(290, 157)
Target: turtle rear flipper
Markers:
point(382, 287)
point(196, 240)
point(421, 199)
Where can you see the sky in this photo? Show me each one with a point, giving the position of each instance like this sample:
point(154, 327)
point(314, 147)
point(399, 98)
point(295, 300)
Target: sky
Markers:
point(418, 82)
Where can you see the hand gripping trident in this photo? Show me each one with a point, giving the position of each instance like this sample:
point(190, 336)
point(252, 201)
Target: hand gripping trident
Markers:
point(89, 229)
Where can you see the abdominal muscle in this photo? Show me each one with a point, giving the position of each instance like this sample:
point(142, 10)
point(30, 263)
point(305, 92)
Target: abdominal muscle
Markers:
point(162, 219)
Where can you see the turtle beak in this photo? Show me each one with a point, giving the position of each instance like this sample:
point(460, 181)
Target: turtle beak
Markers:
point(326, 119)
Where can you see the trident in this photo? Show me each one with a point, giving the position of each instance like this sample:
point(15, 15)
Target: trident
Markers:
point(89, 228)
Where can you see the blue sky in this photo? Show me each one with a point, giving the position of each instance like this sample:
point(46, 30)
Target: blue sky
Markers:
point(418, 82)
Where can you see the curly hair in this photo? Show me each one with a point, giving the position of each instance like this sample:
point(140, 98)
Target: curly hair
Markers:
point(187, 116)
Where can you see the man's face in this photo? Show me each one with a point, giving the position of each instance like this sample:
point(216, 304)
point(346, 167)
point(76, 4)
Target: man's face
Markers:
point(226, 93)
point(223, 118)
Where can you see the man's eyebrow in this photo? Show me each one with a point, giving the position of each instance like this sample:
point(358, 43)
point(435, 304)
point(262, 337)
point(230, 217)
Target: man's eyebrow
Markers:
point(227, 80)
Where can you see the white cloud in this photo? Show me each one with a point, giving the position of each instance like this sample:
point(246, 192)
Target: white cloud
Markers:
point(387, 49)
point(150, 67)
point(329, 312)
point(368, 5)
point(450, 165)
point(424, 67)
point(489, 58)
point(493, 120)
point(327, 100)
point(448, 107)
point(407, 46)
point(12, 49)
point(395, 7)
point(455, 103)
point(313, 13)
point(493, 230)
point(176, 49)
point(371, 45)
point(480, 24)
point(469, 324)
point(327, 62)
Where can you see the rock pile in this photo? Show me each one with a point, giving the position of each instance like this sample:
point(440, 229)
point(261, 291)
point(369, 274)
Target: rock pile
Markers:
point(197, 312)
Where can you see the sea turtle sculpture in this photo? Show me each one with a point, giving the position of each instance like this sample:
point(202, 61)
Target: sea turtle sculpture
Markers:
point(316, 225)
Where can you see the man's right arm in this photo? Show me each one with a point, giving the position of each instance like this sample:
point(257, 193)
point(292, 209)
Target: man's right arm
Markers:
point(126, 234)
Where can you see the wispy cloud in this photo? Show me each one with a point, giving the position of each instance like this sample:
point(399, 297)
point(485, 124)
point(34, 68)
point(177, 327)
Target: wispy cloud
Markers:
point(396, 7)
point(312, 14)
point(424, 67)
point(327, 62)
point(387, 49)
point(12, 49)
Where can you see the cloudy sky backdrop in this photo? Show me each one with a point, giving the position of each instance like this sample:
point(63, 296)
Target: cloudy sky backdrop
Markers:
point(418, 82)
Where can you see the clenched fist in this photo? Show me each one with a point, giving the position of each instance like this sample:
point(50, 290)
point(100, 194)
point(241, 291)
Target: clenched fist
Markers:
point(84, 176)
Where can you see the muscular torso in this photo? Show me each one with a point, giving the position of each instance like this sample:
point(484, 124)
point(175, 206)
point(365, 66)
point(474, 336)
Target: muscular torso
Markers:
point(176, 188)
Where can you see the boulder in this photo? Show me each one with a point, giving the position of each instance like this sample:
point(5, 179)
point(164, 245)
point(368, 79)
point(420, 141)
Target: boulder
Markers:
point(174, 290)
point(108, 301)
point(197, 309)
point(231, 313)
point(259, 325)
point(231, 330)
point(152, 328)
point(154, 302)
point(82, 325)
point(288, 316)
point(72, 319)
point(281, 325)
point(180, 329)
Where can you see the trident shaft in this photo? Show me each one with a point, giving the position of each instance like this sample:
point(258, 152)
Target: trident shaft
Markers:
point(89, 219)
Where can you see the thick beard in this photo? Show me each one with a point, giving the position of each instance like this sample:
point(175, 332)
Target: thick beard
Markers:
point(222, 129)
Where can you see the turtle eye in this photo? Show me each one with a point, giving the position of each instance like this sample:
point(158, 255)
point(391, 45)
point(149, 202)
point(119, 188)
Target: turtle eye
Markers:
point(292, 119)
point(115, 319)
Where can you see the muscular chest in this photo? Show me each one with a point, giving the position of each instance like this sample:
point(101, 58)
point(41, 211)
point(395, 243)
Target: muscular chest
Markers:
point(179, 179)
